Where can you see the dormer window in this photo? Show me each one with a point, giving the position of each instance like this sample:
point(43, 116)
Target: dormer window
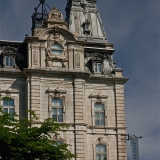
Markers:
point(9, 61)
point(97, 67)
point(7, 57)
point(97, 63)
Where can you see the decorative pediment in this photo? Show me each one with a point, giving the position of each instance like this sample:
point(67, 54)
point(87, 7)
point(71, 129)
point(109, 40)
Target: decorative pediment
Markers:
point(8, 91)
point(8, 51)
point(56, 93)
point(98, 97)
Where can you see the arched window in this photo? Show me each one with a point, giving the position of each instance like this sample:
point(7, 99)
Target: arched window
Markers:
point(56, 49)
point(101, 152)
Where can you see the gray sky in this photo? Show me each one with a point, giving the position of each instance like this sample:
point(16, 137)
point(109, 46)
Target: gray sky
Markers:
point(133, 26)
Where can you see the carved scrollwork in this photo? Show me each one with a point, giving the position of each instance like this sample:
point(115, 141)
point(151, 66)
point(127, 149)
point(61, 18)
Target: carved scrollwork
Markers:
point(98, 97)
point(55, 14)
point(56, 93)
point(56, 38)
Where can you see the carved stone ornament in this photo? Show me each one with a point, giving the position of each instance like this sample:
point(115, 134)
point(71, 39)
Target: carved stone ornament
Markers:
point(8, 91)
point(56, 38)
point(57, 93)
point(55, 14)
point(98, 97)
point(100, 139)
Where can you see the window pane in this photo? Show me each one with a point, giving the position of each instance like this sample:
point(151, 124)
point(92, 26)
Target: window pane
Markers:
point(56, 49)
point(96, 119)
point(54, 117)
point(60, 118)
point(56, 46)
point(98, 157)
point(99, 107)
point(56, 102)
point(11, 61)
point(60, 115)
point(54, 111)
point(96, 107)
point(54, 114)
point(11, 102)
point(102, 119)
point(104, 157)
point(99, 68)
point(5, 103)
point(6, 110)
point(11, 110)
point(101, 148)
point(56, 52)
point(60, 112)
point(98, 149)
point(59, 102)
point(95, 67)
point(7, 61)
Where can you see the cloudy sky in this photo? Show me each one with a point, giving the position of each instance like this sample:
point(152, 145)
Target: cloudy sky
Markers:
point(133, 26)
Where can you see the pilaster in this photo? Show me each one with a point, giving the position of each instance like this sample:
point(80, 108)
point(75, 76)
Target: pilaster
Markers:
point(79, 119)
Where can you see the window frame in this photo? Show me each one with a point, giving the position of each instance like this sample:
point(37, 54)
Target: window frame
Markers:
point(13, 61)
point(57, 107)
point(101, 153)
point(103, 100)
point(99, 113)
point(96, 71)
point(12, 94)
point(56, 93)
point(9, 106)
point(101, 141)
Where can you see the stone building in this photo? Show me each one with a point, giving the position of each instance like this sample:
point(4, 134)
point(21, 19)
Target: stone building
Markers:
point(65, 70)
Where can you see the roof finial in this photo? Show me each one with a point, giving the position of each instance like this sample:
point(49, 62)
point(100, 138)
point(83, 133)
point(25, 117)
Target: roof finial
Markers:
point(42, 1)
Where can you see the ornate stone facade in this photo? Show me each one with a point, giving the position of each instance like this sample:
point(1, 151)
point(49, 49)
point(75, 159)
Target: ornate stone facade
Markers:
point(71, 76)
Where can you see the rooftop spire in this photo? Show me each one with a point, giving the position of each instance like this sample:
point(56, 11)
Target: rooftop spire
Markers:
point(83, 18)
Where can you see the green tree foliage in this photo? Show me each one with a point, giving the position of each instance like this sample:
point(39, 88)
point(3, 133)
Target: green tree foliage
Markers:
point(27, 140)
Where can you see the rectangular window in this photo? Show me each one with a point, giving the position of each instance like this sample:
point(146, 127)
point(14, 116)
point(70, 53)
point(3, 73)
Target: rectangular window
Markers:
point(101, 152)
point(57, 110)
point(9, 61)
point(99, 114)
point(8, 106)
point(97, 67)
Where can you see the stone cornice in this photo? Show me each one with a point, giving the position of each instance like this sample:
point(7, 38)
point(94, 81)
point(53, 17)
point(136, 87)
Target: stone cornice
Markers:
point(75, 74)
point(10, 72)
point(98, 96)
point(57, 90)
point(2, 90)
